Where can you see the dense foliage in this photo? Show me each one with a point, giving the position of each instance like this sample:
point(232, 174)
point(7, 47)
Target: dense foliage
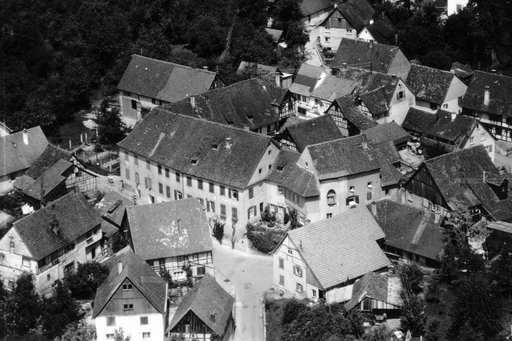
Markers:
point(218, 231)
point(264, 239)
point(87, 278)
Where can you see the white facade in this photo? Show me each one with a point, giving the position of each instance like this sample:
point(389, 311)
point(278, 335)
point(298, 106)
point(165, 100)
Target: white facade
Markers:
point(132, 105)
point(131, 326)
point(454, 6)
point(451, 101)
point(480, 136)
point(365, 35)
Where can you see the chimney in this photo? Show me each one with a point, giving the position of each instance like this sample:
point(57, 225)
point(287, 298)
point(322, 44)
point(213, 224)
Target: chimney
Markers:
point(25, 136)
point(371, 21)
point(487, 95)
point(178, 223)
point(193, 102)
point(246, 127)
point(371, 44)
point(374, 208)
point(364, 141)
point(212, 316)
point(119, 267)
point(54, 225)
point(228, 143)
point(205, 68)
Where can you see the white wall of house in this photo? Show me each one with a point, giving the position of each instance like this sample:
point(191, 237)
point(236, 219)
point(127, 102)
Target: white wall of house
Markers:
point(331, 37)
point(365, 35)
point(453, 6)
point(455, 92)
point(131, 326)
point(403, 99)
point(400, 65)
point(14, 258)
point(480, 136)
point(132, 104)
point(200, 264)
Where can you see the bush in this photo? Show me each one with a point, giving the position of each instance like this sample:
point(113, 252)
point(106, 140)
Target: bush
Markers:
point(292, 309)
point(263, 239)
point(268, 217)
point(84, 282)
point(218, 231)
point(411, 278)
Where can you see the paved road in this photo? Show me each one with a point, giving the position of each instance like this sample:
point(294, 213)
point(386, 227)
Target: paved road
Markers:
point(250, 276)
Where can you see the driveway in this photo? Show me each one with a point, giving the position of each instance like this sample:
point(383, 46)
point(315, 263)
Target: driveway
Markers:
point(249, 276)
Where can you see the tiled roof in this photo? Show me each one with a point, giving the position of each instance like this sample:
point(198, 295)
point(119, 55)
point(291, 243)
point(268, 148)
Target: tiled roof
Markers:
point(250, 103)
point(377, 286)
point(341, 248)
point(169, 229)
point(163, 80)
point(75, 217)
point(48, 158)
point(306, 79)
point(275, 34)
point(139, 273)
point(418, 121)
point(308, 7)
point(378, 93)
point(383, 31)
point(387, 132)
point(358, 13)
point(353, 114)
point(259, 69)
point(331, 87)
point(359, 53)
point(15, 155)
point(428, 83)
point(206, 297)
point(409, 228)
point(316, 130)
point(462, 71)
point(343, 157)
point(175, 140)
point(292, 176)
point(454, 131)
point(49, 180)
point(500, 88)
point(113, 206)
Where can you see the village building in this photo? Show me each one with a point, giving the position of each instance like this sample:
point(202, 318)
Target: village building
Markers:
point(4, 129)
point(381, 58)
point(380, 31)
point(171, 157)
point(19, 151)
point(256, 104)
point(132, 299)
point(112, 208)
point(51, 241)
point(147, 83)
point(349, 117)
point(488, 100)
point(205, 313)
point(412, 233)
point(444, 132)
point(323, 259)
point(251, 70)
point(388, 132)
point(171, 236)
point(314, 10)
point(436, 89)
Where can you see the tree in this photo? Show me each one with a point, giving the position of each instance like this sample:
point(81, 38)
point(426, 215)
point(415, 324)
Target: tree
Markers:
point(268, 217)
point(80, 331)
point(59, 311)
point(218, 231)
point(3, 298)
point(411, 278)
point(294, 221)
point(110, 126)
point(22, 307)
point(206, 37)
point(501, 271)
point(292, 309)
point(412, 314)
point(432, 330)
point(87, 278)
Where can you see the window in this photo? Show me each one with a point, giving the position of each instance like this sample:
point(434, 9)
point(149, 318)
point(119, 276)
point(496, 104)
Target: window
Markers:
point(370, 185)
point(143, 320)
point(134, 104)
point(178, 177)
point(369, 195)
point(482, 137)
point(178, 195)
point(135, 160)
point(269, 166)
point(489, 148)
point(168, 191)
point(331, 197)
point(126, 157)
point(281, 263)
point(160, 188)
point(445, 106)
point(251, 193)
point(222, 190)
point(159, 169)
point(25, 262)
point(329, 215)
point(301, 111)
point(400, 95)
point(210, 206)
point(167, 172)
point(313, 292)
point(128, 306)
point(110, 336)
point(234, 214)
point(127, 174)
point(259, 171)
point(433, 106)
point(189, 181)
point(148, 165)
point(127, 286)
point(111, 321)
point(200, 184)
point(298, 287)
point(352, 189)
point(137, 178)
point(233, 193)
point(201, 200)
point(222, 211)
point(201, 271)
point(152, 199)
point(261, 207)
point(280, 189)
point(270, 150)
point(290, 252)
point(281, 279)
point(327, 39)
point(410, 197)
point(352, 200)
point(148, 183)
point(211, 187)
point(146, 335)
point(297, 271)
point(251, 212)
point(471, 140)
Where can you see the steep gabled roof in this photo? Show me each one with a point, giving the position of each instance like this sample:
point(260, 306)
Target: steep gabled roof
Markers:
point(250, 103)
point(500, 88)
point(409, 228)
point(454, 131)
point(169, 229)
point(340, 248)
point(205, 298)
point(387, 132)
point(49, 180)
point(75, 217)
point(380, 287)
point(275, 34)
point(418, 121)
point(163, 80)
point(308, 7)
point(306, 79)
point(175, 141)
point(139, 273)
point(113, 206)
point(429, 84)
point(48, 158)
point(15, 155)
point(382, 30)
point(316, 130)
point(352, 113)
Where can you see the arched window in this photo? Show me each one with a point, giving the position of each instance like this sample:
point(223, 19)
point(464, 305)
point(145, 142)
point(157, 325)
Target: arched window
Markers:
point(331, 197)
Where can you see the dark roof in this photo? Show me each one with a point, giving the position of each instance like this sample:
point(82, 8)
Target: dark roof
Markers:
point(163, 80)
point(48, 158)
point(15, 155)
point(169, 229)
point(462, 71)
point(306, 79)
point(409, 228)
point(206, 297)
point(429, 84)
point(454, 131)
point(113, 206)
point(359, 53)
point(49, 180)
point(340, 248)
point(275, 34)
point(175, 140)
point(308, 7)
point(418, 121)
point(353, 14)
point(363, 8)
point(387, 132)
point(352, 113)
point(257, 69)
point(382, 30)
point(343, 157)
point(139, 273)
point(287, 173)
point(250, 103)
point(316, 130)
point(500, 88)
point(75, 217)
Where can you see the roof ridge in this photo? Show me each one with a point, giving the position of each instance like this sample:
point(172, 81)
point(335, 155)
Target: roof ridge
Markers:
point(432, 68)
point(175, 64)
point(388, 201)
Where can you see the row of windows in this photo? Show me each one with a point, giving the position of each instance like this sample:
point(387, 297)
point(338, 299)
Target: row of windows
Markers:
point(145, 335)
point(298, 287)
point(111, 321)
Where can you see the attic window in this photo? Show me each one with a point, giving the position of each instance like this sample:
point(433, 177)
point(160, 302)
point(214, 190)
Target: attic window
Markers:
point(215, 146)
point(193, 161)
point(127, 286)
point(128, 306)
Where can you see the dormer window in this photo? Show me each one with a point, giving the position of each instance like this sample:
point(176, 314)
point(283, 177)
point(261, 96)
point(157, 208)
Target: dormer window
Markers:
point(352, 189)
point(370, 185)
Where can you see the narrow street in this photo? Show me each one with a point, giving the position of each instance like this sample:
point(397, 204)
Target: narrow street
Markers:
point(250, 275)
